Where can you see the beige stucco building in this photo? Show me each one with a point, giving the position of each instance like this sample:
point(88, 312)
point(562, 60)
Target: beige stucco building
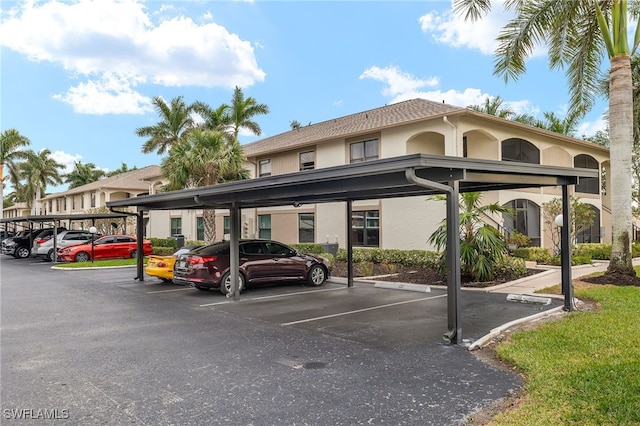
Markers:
point(414, 126)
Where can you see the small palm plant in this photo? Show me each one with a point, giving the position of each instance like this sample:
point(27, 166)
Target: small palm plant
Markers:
point(481, 245)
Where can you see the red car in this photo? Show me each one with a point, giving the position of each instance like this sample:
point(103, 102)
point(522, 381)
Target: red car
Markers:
point(107, 247)
point(261, 261)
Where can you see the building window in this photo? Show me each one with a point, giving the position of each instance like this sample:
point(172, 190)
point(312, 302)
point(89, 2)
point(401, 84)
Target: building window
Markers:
point(227, 225)
point(176, 226)
point(264, 168)
point(366, 228)
point(57, 204)
point(306, 228)
point(520, 150)
point(64, 204)
point(93, 199)
point(592, 233)
point(526, 219)
point(587, 185)
point(307, 160)
point(363, 151)
point(264, 226)
point(200, 229)
point(82, 201)
point(73, 203)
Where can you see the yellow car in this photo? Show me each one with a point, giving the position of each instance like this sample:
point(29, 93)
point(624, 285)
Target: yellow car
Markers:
point(162, 266)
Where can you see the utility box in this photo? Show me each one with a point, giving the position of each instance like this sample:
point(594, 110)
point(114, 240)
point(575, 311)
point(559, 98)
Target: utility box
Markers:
point(331, 248)
point(179, 240)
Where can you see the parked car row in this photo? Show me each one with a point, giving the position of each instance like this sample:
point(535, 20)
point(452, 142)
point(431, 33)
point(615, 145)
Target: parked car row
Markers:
point(261, 261)
point(72, 245)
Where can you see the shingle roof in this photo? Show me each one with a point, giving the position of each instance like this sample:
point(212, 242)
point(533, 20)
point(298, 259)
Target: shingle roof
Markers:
point(131, 180)
point(359, 123)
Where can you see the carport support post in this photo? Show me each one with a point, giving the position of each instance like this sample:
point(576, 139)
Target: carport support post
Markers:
point(349, 243)
point(140, 245)
point(565, 250)
point(454, 335)
point(234, 248)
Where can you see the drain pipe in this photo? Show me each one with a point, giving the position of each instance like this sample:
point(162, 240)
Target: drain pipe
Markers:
point(139, 241)
point(454, 333)
point(455, 133)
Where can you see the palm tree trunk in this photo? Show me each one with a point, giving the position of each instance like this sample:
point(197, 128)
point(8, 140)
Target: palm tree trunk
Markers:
point(621, 131)
point(209, 221)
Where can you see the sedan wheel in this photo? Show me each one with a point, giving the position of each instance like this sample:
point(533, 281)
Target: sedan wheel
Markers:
point(225, 283)
point(317, 276)
point(82, 257)
point(22, 253)
point(134, 254)
point(50, 256)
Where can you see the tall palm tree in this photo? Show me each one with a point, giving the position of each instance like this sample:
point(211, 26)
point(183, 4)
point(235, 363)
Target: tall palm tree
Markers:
point(242, 113)
point(39, 171)
point(578, 33)
point(203, 158)
point(12, 145)
point(122, 169)
point(565, 126)
point(83, 174)
point(175, 122)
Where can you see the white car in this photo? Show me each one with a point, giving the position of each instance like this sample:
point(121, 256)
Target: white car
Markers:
point(44, 249)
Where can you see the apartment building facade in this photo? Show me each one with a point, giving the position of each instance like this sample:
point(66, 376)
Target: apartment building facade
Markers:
point(413, 126)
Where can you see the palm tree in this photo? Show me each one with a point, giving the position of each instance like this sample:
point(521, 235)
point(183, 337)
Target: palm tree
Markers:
point(494, 106)
point(481, 245)
point(11, 150)
point(578, 33)
point(122, 169)
point(175, 122)
point(242, 113)
point(83, 174)
point(39, 170)
point(203, 158)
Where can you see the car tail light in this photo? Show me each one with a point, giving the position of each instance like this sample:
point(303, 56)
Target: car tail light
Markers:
point(194, 260)
point(161, 264)
point(41, 240)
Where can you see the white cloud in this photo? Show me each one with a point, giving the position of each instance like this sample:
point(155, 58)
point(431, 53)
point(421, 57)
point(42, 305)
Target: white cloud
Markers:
point(453, 30)
point(401, 86)
point(589, 128)
point(106, 40)
point(66, 159)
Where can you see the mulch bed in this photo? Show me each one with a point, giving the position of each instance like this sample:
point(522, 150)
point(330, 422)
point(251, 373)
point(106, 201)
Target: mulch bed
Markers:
point(413, 275)
point(614, 278)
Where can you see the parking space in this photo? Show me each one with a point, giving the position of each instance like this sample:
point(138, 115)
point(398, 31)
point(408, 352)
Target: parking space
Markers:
point(148, 352)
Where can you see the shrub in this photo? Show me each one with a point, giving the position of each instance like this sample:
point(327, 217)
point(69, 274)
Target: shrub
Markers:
point(598, 251)
point(535, 254)
point(163, 242)
point(635, 249)
point(417, 258)
point(510, 268)
point(309, 248)
point(163, 251)
point(365, 268)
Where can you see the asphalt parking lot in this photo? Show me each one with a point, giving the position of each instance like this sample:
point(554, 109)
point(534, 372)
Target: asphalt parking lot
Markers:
point(98, 347)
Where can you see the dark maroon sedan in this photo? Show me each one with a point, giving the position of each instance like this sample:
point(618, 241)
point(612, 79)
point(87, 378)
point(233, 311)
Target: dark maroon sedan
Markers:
point(261, 261)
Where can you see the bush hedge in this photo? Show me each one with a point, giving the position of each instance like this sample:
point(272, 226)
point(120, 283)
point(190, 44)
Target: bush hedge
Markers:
point(417, 258)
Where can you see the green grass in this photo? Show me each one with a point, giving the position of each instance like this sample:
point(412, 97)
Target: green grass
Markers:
point(100, 263)
point(583, 369)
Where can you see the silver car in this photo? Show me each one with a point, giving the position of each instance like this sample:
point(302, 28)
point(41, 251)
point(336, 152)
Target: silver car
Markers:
point(44, 249)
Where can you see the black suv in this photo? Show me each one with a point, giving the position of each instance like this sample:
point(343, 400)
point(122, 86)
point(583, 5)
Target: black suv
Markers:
point(20, 246)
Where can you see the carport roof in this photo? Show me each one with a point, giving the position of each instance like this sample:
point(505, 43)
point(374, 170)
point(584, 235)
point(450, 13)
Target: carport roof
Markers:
point(52, 218)
point(384, 178)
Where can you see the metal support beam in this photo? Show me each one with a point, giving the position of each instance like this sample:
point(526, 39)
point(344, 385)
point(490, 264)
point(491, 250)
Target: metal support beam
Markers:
point(234, 267)
point(140, 243)
point(565, 250)
point(349, 243)
point(454, 333)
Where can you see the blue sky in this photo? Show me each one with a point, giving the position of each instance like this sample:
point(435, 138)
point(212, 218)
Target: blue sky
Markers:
point(78, 77)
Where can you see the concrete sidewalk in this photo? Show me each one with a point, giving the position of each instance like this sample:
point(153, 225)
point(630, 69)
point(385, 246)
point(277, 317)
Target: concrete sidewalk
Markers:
point(552, 276)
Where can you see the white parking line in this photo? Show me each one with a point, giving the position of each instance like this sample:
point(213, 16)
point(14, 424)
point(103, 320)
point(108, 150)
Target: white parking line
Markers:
point(167, 291)
point(276, 296)
point(360, 310)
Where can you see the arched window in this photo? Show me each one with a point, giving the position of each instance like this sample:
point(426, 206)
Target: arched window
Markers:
point(591, 234)
point(526, 219)
point(587, 185)
point(520, 150)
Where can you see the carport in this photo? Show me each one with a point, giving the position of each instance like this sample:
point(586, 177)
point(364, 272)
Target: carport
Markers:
point(404, 176)
point(54, 220)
